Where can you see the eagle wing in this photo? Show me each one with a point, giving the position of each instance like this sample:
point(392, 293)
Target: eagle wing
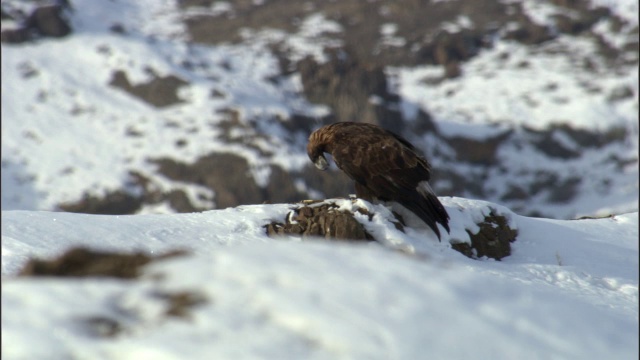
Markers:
point(387, 167)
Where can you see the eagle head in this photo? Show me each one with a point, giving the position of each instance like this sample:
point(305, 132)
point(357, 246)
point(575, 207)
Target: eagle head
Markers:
point(317, 157)
point(315, 150)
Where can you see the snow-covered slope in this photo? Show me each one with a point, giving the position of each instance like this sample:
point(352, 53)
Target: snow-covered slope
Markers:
point(66, 131)
point(568, 291)
point(547, 127)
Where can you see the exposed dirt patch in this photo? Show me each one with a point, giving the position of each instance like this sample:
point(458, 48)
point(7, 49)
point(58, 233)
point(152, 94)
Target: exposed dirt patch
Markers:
point(161, 91)
point(82, 262)
point(113, 203)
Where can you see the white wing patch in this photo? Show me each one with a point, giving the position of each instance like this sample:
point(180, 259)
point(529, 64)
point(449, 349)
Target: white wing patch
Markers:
point(410, 218)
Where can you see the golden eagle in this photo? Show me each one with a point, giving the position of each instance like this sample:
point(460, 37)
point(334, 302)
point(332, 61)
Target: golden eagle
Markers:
point(384, 166)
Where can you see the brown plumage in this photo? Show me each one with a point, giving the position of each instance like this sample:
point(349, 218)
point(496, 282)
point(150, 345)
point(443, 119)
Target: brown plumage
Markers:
point(384, 166)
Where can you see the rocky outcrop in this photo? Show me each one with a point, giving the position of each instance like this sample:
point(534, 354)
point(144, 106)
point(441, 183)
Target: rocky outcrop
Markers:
point(318, 219)
point(325, 220)
point(44, 21)
point(493, 240)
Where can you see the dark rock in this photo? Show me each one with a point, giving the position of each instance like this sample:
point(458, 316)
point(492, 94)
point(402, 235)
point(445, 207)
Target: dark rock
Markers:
point(452, 69)
point(331, 182)
point(227, 174)
point(593, 138)
point(324, 220)
point(118, 29)
point(251, 133)
point(359, 19)
point(82, 262)
point(542, 180)
point(48, 21)
point(179, 201)
point(113, 203)
point(341, 75)
point(545, 141)
point(15, 36)
point(280, 188)
point(547, 144)
point(102, 326)
point(180, 304)
point(515, 193)
point(528, 32)
point(150, 195)
point(584, 20)
point(159, 92)
point(355, 91)
point(493, 240)
point(620, 93)
point(564, 191)
point(422, 123)
point(214, 29)
point(478, 151)
point(451, 49)
point(458, 185)
point(304, 124)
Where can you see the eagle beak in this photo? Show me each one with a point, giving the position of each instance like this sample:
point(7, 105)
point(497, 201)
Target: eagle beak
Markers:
point(321, 163)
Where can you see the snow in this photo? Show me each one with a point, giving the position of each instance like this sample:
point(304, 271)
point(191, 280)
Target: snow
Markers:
point(568, 291)
point(312, 37)
point(464, 100)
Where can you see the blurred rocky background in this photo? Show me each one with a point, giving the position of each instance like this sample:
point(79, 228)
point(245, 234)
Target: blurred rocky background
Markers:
point(134, 107)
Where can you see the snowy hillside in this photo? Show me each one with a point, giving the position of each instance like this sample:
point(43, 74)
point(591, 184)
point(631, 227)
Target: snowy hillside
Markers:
point(181, 106)
point(568, 291)
point(152, 108)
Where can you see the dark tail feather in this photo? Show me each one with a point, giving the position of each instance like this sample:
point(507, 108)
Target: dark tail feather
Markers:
point(431, 211)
